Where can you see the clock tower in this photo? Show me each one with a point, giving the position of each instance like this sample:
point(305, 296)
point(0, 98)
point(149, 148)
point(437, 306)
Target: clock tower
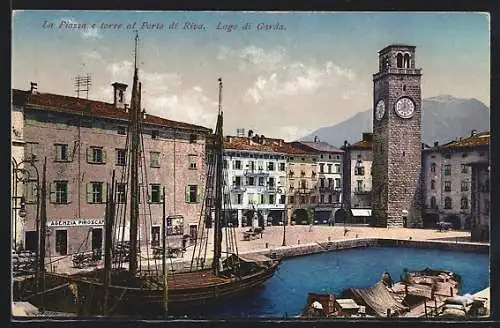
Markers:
point(396, 139)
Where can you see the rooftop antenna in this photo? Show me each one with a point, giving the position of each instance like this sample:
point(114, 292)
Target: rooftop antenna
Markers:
point(83, 83)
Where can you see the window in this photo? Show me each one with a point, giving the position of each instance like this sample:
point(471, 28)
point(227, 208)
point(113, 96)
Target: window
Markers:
point(121, 194)
point(399, 60)
point(329, 168)
point(62, 242)
point(239, 199)
point(433, 202)
point(251, 181)
point(96, 155)
point(330, 183)
point(271, 182)
point(261, 181)
point(359, 169)
point(447, 186)
point(260, 165)
point(406, 62)
point(192, 194)
point(337, 183)
point(464, 203)
point(251, 165)
point(447, 170)
point(312, 200)
point(155, 193)
point(96, 193)
point(59, 191)
point(224, 164)
point(193, 138)
point(271, 199)
point(433, 184)
point(282, 167)
point(322, 182)
point(464, 168)
point(155, 134)
point(61, 153)
point(154, 159)
point(337, 168)
point(322, 199)
point(291, 199)
point(237, 181)
point(359, 185)
point(192, 162)
point(120, 96)
point(120, 157)
point(30, 191)
point(270, 166)
point(433, 167)
point(31, 150)
point(447, 203)
point(122, 130)
point(303, 200)
point(302, 173)
point(303, 184)
point(464, 186)
point(261, 199)
point(321, 168)
point(330, 198)
point(237, 165)
point(282, 199)
point(155, 236)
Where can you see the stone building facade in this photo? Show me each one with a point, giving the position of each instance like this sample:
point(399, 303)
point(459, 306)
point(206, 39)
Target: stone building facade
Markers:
point(447, 183)
point(329, 160)
point(357, 188)
point(396, 139)
point(480, 201)
point(256, 173)
point(83, 142)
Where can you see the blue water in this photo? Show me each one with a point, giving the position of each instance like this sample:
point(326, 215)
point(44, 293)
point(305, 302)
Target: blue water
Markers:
point(332, 272)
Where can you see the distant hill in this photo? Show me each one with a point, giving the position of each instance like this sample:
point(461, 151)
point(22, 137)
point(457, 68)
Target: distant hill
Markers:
point(443, 118)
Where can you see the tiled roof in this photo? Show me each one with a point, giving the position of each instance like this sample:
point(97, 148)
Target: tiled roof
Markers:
point(363, 144)
point(322, 146)
point(478, 139)
point(269, 145)
point(53, 102)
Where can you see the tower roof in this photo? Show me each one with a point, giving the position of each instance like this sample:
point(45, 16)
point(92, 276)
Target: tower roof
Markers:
point(396, 45)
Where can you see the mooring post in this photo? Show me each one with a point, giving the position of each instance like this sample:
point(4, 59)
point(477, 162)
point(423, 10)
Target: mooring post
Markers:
point(436, 305)
point(388, 313)
point(425, 308)
point(451, 291)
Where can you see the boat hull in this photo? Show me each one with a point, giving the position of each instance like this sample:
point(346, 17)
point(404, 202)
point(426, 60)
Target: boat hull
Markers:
point(185, 295)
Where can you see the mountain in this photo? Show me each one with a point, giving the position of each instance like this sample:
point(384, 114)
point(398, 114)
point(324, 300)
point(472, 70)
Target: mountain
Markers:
point(444, 118)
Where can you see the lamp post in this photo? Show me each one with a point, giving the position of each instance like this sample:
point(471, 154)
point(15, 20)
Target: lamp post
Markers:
point(22, 174)
point(281, 191)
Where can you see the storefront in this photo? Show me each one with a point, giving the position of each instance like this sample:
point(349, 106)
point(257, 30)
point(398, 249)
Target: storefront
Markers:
point(73, 236)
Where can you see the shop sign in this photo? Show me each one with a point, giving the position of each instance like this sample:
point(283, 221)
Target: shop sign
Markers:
point(75, 223)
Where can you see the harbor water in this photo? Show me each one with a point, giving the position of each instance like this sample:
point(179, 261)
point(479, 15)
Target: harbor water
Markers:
point(332, 272)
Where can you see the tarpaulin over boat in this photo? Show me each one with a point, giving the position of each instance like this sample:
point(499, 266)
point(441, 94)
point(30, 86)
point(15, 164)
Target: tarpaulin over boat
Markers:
point(377, 299)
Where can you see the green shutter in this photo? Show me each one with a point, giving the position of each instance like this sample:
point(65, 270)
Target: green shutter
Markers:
point(104, 192)
point(150, 193)
point(103, 156)
point(89, 193)
point(53, 192)
point(89, 155)
point(199, 194)
point(187, 193)
point(68, 190)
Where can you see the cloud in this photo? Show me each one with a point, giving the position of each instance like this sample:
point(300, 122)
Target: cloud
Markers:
point(252, 58)
point(296, 78)
point(292, 133)
point(164, 94)
point(93, 54)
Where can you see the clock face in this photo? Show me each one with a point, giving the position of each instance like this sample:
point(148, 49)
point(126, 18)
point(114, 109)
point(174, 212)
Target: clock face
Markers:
point(380, 110)
point(405, 107)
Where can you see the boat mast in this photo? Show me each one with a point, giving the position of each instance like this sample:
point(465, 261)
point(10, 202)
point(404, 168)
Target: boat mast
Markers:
point(134, 166)
point(218, 187)
point(108, 230)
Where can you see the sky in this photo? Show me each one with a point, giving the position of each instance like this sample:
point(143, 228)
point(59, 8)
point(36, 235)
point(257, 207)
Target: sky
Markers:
point(285, 74)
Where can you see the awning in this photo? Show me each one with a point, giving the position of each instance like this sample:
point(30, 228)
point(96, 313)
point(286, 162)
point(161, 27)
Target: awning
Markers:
point(361, 212)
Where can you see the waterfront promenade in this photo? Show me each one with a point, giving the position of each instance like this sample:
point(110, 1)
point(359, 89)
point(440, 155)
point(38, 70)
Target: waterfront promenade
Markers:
point(295, 236)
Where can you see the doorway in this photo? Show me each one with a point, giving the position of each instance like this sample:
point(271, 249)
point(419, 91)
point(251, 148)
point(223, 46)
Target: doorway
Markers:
point(31, 241)
point(62, 242)
point(193, 231)
point(97, 239)
point(155, 236)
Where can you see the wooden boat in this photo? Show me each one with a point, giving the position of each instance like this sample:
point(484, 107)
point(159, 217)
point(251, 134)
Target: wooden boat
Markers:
point(120, 291)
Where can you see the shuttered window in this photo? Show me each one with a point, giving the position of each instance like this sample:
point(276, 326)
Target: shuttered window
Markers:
point(96, 192)
point(96, 155)
point(60, 192)
point(192, 194)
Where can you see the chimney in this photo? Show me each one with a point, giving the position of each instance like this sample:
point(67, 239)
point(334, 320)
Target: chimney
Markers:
point(119, 94)
point(250, 133)
point(316, 139)
point(472, 133)
point(367, 136)
point(33, 88)
point(436, 143)
point(143, 114)
point(240, 132)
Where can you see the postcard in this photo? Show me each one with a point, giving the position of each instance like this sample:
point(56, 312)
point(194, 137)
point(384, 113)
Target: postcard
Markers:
point(278, 165)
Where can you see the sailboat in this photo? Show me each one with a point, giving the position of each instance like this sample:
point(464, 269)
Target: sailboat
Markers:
point(124, 286)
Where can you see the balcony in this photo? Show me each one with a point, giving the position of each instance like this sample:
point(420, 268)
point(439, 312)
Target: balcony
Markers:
point(254, 172)
point(394, 70)
point(329, 190)
point(361, 191)
point(238, 188)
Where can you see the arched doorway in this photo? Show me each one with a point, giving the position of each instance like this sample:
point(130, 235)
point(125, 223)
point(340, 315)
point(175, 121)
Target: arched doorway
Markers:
point(455, 221)
point(341, 215)
point(429, 221)
point(300, 216)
